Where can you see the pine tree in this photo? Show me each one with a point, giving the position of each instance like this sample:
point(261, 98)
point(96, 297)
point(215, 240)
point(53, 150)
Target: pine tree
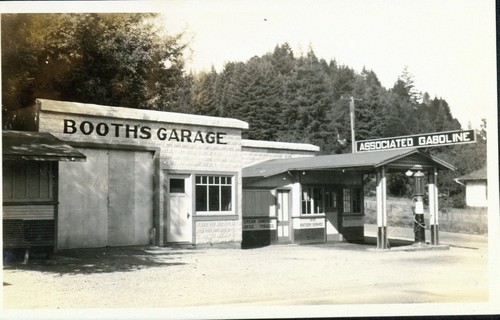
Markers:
point(307, 104)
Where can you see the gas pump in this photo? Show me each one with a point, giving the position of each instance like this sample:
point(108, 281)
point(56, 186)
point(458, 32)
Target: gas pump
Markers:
point(418, 213)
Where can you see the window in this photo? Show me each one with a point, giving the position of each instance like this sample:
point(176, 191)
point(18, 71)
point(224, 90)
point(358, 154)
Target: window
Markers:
point(214, 193)
point(27, 181)
point(177, 186)
point(312, 200)
point(346, 192)
point(351, 200)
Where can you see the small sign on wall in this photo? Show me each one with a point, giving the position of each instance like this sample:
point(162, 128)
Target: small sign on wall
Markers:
point(259, 224)
point(312, 223)
point(352, 221)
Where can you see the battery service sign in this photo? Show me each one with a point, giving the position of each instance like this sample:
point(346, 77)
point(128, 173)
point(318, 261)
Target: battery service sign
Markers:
point(417, 141)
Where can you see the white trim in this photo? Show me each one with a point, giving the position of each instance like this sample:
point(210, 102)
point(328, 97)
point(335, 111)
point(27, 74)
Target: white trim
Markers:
point(278, 145)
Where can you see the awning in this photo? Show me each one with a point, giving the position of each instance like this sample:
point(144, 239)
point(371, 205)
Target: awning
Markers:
point(363, 161)
point(39, 146)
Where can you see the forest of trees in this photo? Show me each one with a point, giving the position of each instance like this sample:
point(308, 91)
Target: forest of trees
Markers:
point(128, 60)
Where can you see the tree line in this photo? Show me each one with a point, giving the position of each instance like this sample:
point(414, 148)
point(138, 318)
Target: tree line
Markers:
point(128, 60)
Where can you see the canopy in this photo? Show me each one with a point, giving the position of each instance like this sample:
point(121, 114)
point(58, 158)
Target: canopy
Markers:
point(39, 146)
point(363, 161)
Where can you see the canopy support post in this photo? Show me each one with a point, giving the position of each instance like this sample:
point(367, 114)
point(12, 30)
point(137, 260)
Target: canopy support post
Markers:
point(381, 210)
point(433, 207)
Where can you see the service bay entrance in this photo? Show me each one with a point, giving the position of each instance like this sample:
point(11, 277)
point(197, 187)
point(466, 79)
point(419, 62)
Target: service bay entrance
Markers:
point(107, 200)
point(179, 209)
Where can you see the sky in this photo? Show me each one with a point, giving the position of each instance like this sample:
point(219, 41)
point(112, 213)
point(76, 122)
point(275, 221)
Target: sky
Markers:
point(447, 45)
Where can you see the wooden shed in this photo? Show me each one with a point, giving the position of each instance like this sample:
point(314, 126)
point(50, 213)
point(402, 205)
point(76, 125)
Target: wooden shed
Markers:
point(476, 188)
point(30, 174)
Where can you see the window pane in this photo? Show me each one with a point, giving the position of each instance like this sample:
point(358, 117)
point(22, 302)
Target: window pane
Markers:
point(33, 181)
point(213, 198)
point(198, 179)
point(201, 198)
point(356, 200)
point(19, 181)
point(8, 182)
point(177, 186)
point(225, 198)
point(347, 200)
point(45, 184)
point(318, 200)
point(305, 194)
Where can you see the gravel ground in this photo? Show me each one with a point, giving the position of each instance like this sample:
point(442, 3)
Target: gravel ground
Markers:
point(325, 274)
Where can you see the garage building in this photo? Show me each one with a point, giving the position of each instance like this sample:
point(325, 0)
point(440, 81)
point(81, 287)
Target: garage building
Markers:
point(149, 177)
point(162, 178)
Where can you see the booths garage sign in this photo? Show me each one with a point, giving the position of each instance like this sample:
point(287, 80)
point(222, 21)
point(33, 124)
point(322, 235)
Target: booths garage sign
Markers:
point(417, 141)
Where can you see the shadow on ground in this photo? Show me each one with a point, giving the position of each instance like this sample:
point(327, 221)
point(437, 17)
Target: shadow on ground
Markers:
point(101, 260)
point(369, 243)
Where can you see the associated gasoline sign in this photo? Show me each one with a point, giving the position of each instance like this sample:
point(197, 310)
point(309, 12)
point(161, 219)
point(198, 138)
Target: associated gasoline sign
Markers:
point(417, 141)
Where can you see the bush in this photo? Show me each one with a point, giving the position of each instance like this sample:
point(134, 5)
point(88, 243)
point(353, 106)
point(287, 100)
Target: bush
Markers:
point(454, 201)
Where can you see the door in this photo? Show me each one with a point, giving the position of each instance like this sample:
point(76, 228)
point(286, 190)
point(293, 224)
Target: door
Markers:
point(107, 200)
point(333, 214)
point(130, 200)
point(179, 214)
point(283, 215)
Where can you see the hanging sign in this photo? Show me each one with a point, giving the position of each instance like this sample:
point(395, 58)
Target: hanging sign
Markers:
point(417, 141)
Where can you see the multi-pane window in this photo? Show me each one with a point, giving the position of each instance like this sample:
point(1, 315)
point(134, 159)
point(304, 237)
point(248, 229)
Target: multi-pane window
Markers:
point(312, 200)
point(214, 193)
point(27, 181)
point(351, 200)
point(346, 193)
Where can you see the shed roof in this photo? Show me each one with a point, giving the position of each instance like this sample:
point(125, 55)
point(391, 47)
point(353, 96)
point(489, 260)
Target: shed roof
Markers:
point(40, 146)
point(361, 161)
point(480, 174)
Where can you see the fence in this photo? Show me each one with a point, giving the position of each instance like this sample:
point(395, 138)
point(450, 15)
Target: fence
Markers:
point(400, 214)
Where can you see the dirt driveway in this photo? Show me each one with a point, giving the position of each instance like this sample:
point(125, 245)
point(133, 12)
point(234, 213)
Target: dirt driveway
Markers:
point(325, 274)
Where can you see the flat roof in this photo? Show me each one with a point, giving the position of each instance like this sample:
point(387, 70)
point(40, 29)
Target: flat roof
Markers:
point(40, 146)
point(95, 110)
point(368, 160)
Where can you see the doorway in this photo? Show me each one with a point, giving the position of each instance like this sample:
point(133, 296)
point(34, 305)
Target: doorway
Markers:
point(333, 213)
point(283, 215)
point(106, 200)
point(179, 210)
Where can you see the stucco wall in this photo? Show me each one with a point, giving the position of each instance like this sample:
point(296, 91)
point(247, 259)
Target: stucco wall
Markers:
point(182, 143)
point(476, 194)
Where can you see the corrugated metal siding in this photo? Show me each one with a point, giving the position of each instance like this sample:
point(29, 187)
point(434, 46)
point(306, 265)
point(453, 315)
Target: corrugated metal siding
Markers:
point(27, 233)
point(29, 212)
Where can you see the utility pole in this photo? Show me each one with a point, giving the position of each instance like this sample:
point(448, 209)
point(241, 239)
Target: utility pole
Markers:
point(351, 111)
